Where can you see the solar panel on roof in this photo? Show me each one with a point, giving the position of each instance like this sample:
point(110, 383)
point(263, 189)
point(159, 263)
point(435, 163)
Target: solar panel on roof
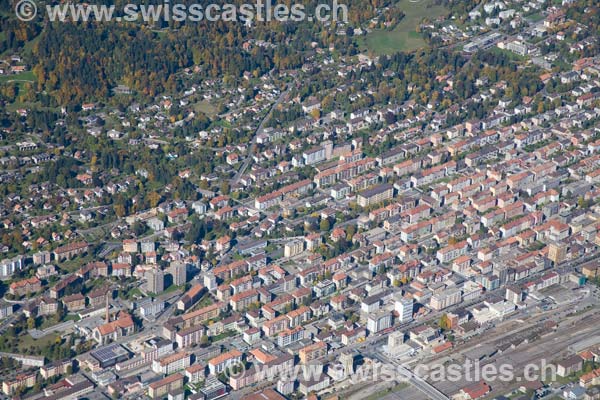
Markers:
point(108, 352)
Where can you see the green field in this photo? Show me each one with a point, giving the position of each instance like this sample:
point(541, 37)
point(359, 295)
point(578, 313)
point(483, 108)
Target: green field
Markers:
point(26, 76)
point(26, 342)
point(537, 17)
point(404, 36)
point(509, 54)
point(206, 108)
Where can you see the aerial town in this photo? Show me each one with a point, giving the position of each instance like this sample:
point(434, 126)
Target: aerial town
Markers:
point(284, 235)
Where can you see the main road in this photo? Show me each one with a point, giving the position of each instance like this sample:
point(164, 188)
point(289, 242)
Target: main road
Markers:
point(422, 385)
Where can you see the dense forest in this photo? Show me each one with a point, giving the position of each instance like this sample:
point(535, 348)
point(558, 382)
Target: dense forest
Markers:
point(76, 62)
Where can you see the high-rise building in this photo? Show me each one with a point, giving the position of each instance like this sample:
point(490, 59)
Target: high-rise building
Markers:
point(155, 281)
point(395, 339)
point(557, 252)
point(404, 308)
point(347, 360)
point(285, 386)
point(210, 281)
point(378, 321)
point(293, 248)
point(178, 271)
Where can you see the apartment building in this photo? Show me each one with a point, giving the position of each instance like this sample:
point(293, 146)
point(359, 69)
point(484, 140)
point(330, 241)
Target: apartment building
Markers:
point(445, 299)
point(223, 361)
point(159, 389)
point(312, 352)
point(171, 363)
point(375, 195)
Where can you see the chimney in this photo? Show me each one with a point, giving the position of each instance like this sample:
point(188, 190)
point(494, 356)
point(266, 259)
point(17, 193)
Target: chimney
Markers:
point(107, 314)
